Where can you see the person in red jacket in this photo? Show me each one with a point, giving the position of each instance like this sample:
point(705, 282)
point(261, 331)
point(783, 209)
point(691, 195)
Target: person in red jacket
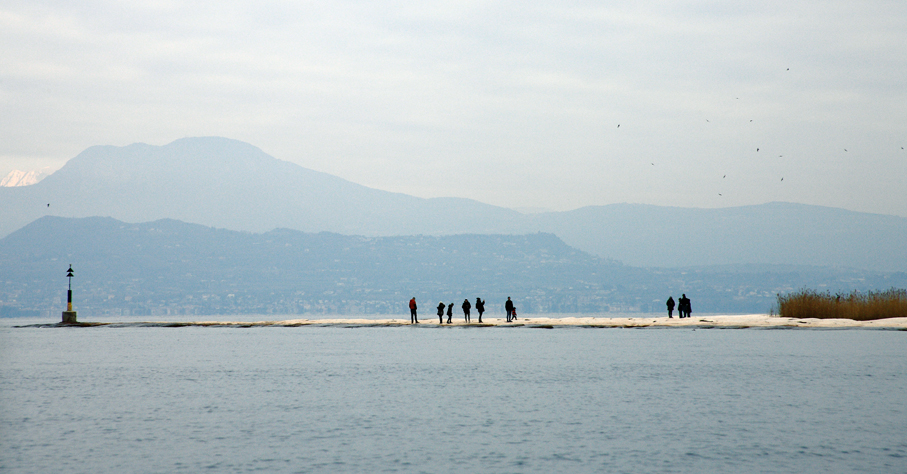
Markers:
point(412, 311)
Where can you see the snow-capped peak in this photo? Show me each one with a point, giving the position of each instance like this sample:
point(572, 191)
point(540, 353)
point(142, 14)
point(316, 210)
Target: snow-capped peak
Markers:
point(22, 178)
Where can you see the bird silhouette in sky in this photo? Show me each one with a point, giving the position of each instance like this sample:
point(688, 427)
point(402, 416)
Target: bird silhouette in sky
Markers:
point(618, 125)
point(48, 204)
point(757, 149)
point(782, 179)
point(725, 176)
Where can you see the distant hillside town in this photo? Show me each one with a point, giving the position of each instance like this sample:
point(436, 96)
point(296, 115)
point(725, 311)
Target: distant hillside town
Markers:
point(169, 267)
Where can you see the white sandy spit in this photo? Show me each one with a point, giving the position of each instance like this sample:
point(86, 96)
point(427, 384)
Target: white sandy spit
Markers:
point(712, 321)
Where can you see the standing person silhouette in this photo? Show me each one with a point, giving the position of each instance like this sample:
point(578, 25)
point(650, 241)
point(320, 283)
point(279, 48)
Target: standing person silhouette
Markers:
point(670, 304)
point(685, 306)
point(509, 307)
point(449, 312)
point(466, 307)
point(413, 319)
point(480, 307)
point(440, 313)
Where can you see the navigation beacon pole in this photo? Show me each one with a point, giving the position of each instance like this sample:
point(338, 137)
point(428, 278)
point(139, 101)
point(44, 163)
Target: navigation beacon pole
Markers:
point(69, 316)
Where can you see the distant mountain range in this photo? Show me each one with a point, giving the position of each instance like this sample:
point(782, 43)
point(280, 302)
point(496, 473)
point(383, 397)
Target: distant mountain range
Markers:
point(172, 267)
point(229, 184)
point(775, 233)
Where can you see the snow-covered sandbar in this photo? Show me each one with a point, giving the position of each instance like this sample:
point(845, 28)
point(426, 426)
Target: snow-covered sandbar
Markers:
point(712, 321)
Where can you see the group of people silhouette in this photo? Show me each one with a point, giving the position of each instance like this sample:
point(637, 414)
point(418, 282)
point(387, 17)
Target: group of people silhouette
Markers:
point(466, 306)
point(683, 306)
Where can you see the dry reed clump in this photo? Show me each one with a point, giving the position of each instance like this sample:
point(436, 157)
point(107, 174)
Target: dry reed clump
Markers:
point(857, 306)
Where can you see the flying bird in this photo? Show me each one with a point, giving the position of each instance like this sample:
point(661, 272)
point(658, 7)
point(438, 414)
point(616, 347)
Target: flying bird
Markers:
point(782, 179)
point(757, 149)
point(725, 176)
point(48, 204)
point(845, 149)
point(618, 125)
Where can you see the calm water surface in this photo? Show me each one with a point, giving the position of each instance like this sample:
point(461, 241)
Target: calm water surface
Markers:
point(424, 399)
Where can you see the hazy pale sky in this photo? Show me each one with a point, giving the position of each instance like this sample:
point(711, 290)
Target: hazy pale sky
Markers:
point(511, 103)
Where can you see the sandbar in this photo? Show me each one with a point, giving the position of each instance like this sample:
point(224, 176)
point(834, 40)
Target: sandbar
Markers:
point(764, 321)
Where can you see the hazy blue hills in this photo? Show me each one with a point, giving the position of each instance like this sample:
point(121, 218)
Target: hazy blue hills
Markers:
point(172, 267)
point(774, 233)
point(226, 183)
point(229, 184)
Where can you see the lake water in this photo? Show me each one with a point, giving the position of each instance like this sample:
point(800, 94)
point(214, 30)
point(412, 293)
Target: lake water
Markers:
point(429, 399)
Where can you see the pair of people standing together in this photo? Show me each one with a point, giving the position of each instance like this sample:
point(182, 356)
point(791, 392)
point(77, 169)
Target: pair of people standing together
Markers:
point(511, 311)
point(683, 306)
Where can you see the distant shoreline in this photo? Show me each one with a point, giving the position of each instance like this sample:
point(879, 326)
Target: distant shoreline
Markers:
point(758, 321)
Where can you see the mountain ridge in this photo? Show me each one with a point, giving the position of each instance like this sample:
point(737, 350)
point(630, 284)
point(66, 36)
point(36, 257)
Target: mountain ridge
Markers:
point(209, 181)
point(774, 233)
point(134, 183)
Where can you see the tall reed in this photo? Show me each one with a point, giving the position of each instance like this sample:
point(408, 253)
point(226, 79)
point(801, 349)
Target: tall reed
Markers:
point(858, 306)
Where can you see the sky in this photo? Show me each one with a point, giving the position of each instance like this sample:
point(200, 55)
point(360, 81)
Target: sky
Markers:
point(519, 104)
